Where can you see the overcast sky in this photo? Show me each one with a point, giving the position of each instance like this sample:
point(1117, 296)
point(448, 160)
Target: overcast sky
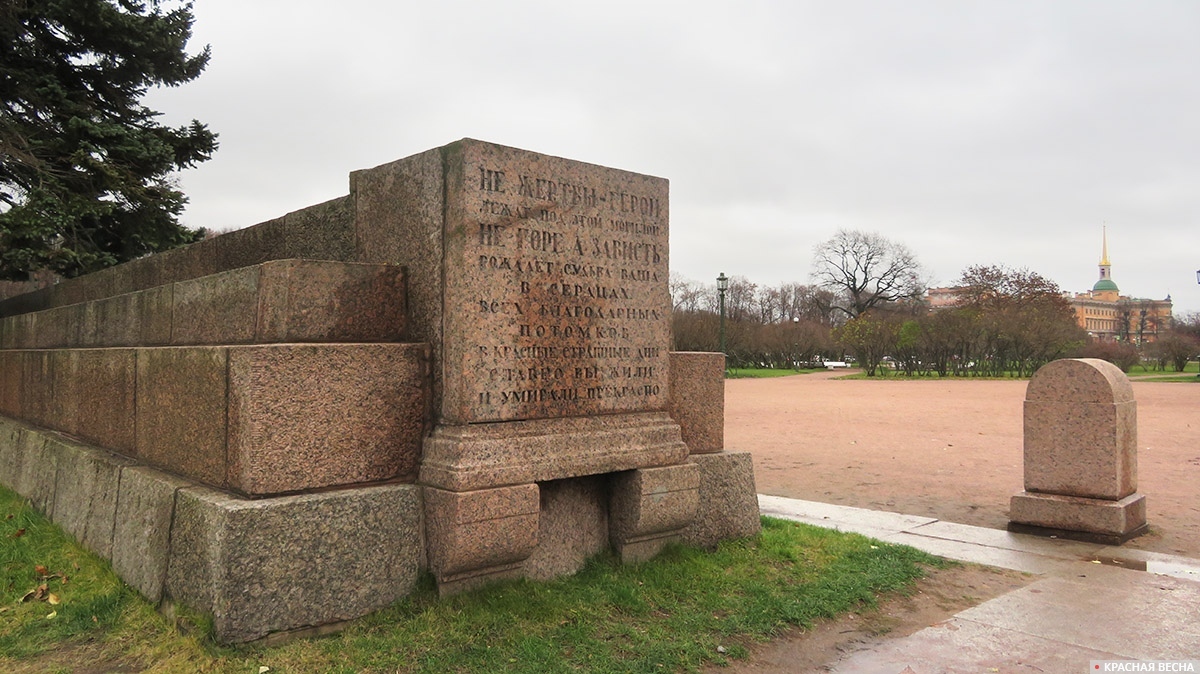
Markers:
point(999, 132)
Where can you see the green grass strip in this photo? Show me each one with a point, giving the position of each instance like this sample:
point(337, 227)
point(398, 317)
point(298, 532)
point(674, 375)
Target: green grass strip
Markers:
point(668, 614)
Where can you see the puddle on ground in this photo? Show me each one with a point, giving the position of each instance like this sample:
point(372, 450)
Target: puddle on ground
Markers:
point(1175, 569)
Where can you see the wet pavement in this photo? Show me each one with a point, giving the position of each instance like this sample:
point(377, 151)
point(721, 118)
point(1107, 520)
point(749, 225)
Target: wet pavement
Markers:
point(1091, 602)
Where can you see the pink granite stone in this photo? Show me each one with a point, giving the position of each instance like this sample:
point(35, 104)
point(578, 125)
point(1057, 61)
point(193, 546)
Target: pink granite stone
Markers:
point(476, 456)
point(478, 536)
point(1081, 430)
point(698, 399)
point(572, 526)
point(303, 416)
point(651, 506)
point(181, 408)
point(1072, 513)
point(728, 499)
point(105, 380)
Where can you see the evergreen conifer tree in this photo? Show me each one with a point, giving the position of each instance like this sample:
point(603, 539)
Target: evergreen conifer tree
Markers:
point(86, 171)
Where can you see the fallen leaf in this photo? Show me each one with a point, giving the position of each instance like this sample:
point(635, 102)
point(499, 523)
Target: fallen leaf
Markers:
point(41, 570)
point(65, 580)
point(29, 596)
point(10, 516)
point(51, 615)
point(52, 598)
point(19, 533)
point(263, 669)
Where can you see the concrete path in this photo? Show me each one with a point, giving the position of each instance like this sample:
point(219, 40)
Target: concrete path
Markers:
point(1091, 602)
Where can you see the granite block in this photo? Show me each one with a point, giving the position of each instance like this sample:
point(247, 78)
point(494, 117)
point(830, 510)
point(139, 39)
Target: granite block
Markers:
point(1080, 380)
point(572, 526)
point(398, 210)
point(27, 302)
point(12, 373)
point(1072, 513)
point(105, 380)
point(651, 506)
point(320, 301)
point(273, 565)
point(216, 309)
point(728, 499)
point(1081, 449)
point(698, 399)
point(36, 472)
point(181, 407)
point(12, 451)
point(325, 231)
point(85, 495)
point(555, 287)
point(246, 247)
point(18, 332)
point(461, 458)
point(50, 395)
point(142, 533)
point(306, 416)
point(479, 534)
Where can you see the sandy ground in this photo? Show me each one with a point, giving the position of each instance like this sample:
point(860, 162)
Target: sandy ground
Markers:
point(950, 450)
point(946, 449)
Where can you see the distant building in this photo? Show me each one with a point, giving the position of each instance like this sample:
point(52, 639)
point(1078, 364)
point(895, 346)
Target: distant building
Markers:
point(1109, 316)
point(1103, 312)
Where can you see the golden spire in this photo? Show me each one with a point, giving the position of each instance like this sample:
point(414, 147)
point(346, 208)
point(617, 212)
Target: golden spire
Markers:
point(1104, 248)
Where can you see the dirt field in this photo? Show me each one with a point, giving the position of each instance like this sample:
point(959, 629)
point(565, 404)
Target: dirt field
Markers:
point(946, 449)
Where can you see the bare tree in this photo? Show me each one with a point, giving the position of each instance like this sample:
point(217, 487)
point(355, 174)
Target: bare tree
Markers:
point(865, 270)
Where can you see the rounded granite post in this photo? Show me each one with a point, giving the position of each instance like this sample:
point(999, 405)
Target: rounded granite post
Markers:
point(1080, 455)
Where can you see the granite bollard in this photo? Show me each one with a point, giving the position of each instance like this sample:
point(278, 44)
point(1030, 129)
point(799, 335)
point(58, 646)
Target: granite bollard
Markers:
point(1080, 455)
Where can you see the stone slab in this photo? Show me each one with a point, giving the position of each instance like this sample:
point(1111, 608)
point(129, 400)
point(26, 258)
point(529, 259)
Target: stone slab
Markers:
point(304, 416)
point(555, 287)
point(1072, 513)
point(181, 411)
point(1080, 380)
point(12, 373)
point(1081, 448)
point(572, 526)
point(463, 458)
point(398, 220)
point(105, 381)
point(142, 533)
point(36, 471)
point(651, 506)
point(697, 400)
point(85, 496)
point(273, 565)
point(480, 533)
point(728, 500)
point(322, 301)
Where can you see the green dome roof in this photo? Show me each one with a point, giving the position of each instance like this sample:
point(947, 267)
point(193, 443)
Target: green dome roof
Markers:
point(1105, 284)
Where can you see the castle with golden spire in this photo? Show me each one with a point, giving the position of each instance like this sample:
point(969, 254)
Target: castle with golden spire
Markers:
point(1109, 316)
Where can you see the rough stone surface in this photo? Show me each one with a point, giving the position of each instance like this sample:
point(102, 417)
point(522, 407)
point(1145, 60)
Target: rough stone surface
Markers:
point(698, 399)
point(37, 471)
point(291, 562)
point(398, 216)
point(480, 534)
point(477, 456)
point(572, 526)
point(12, 451)
point(308, 416)
point(217, 309)
point(1081, 430)
point(105, 380)
point(1101, 516)
point(651, 506)
point(181, 411)
point(321, 301)
point(556, 299)
point(85, 496)
point(12, 368)
point(142, 533)
point(728, 500)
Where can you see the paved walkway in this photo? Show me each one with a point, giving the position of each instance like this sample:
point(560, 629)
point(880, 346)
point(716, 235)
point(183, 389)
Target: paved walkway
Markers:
point(1092, 602)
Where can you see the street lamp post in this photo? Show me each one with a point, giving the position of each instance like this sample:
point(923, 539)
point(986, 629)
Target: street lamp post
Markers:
point(722, 286)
